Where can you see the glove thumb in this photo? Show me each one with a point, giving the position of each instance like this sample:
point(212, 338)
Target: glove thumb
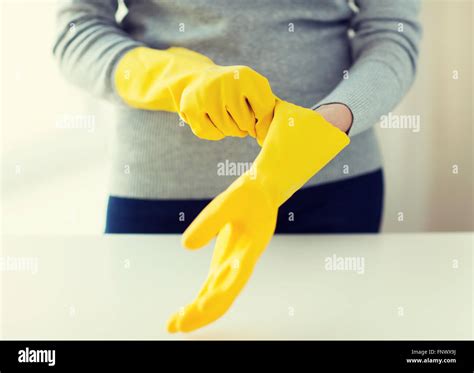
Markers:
point(206, 225)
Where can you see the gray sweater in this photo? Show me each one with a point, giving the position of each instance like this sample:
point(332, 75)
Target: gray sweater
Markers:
point(311, 51)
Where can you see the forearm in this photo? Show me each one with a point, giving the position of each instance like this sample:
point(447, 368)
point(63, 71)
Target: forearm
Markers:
point(371, 91)
point(385, 50)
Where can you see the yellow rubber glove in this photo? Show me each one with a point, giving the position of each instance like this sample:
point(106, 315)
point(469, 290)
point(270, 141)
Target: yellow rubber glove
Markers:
point(300, 142)
point(216, 101)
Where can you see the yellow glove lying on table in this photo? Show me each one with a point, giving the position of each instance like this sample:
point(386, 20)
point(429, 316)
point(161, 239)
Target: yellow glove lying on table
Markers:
point(216, 101)
point(299, 143)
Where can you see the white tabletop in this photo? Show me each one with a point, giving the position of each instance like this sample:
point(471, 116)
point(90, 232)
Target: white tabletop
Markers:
point(412, 286)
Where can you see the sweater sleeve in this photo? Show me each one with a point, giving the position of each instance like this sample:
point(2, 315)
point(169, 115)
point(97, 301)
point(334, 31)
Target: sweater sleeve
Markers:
point(384, 50)
point(89, 42)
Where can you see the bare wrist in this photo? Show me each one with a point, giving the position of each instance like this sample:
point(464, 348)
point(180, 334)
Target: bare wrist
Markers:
point(338, 114)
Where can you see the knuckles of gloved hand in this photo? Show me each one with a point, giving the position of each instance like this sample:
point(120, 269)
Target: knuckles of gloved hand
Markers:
point(223, 101)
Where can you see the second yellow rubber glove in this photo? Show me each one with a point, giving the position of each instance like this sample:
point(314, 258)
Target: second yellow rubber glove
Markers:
point(216, 101)
point(299, 143)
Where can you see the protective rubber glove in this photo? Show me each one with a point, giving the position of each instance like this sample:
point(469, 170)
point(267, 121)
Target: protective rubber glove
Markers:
point(216, 101)
point(300, 142)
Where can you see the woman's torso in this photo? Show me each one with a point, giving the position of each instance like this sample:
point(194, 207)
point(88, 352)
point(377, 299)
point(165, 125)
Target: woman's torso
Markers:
point(301, 46)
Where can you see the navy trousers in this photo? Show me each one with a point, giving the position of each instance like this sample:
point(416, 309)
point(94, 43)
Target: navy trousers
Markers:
point(353, 205)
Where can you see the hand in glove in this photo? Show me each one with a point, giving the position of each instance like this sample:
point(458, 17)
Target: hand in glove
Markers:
point(216, 101)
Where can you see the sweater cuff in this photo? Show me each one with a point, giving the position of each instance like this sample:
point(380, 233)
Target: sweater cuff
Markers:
point(370, 91)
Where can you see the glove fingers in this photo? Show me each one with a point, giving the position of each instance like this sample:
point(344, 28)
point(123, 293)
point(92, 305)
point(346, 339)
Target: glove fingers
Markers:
point(222, 250)
point(202, 126)
point(172, 325)
point(205, 128)
point(223, 246)
point(262, 102)
point(194, 318)
point(262, 128)
point(227, 284)
point(211, 306)
point(240, 132)
point(243, 115)
point(206, 225)
point(226, 124)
